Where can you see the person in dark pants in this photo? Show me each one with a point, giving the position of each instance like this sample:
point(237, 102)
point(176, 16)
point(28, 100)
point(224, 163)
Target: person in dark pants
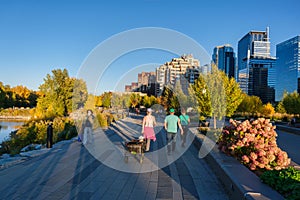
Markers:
point(88, 127)
point(172, 122)
point(185, 121)
point(49, 135)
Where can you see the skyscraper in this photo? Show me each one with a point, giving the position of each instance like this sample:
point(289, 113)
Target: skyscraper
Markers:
point(288, 67)
point(256, 74)
point(224, 58)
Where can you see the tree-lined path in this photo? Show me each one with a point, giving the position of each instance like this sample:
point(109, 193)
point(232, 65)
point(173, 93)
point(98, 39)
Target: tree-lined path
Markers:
point(69, 171)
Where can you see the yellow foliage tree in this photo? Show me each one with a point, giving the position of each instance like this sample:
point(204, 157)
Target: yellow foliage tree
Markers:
point(267, 109)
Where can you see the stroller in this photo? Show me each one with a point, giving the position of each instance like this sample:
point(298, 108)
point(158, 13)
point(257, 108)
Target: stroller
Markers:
point(136, 148)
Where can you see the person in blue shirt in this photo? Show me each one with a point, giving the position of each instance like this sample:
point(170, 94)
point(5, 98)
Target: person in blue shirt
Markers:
point(184, 120)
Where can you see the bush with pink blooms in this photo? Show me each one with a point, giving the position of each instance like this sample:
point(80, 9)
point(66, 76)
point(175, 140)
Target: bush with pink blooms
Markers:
point(254, 144)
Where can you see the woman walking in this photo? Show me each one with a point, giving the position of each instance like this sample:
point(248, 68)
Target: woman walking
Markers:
point(148, 128)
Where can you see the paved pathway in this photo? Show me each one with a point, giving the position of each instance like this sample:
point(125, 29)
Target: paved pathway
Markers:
point(69, 171)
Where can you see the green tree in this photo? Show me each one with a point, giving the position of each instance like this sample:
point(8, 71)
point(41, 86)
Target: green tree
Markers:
point(183, 100)
point(234, 95)
point(201, 97)
point(291, 102)
point(57, 94)
point(80, 93)
point(106, 99)
point(280, 108)
point(126, 101)
point(169, 100)
point(215, 85)
point(135, 100)
point(250, 104)
point(153, 100)
point(2, 96)
point(146, 101)
point(116, 101)
point(215, 94)
point(149, 101)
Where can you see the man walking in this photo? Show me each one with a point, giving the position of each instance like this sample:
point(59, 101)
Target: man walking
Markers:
point(49, 135)
point(184, 120)
point(172, 122)
point(88, 127)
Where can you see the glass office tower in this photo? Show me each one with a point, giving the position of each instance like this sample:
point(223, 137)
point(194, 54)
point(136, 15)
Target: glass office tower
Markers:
point(256, 67)
point(224, 58)
point(288, 67)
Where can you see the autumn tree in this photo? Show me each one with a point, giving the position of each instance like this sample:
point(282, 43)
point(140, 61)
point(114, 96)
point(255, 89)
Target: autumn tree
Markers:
point(216, 95)
point(149, 101)
point(116, 101)
point(280, 108)
point(200, 96)
point(215, 84)
point(90, 102)
point(233, 93)
point(80, 93)
point(19, 96)
point(267, 109)
point(291, 102)
point(168, 99)
point(135, 100)
point(106, 99)
point(126, 100)
point(57, 94)
point(183, 99)
point(250, 104)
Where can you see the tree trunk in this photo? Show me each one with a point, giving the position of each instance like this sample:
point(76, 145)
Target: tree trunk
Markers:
point(215, 122)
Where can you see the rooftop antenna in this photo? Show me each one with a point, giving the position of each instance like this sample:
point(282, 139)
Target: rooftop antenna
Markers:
point(267, 32)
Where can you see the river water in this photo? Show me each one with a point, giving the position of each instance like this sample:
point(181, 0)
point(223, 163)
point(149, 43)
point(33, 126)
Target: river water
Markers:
point(7, 126)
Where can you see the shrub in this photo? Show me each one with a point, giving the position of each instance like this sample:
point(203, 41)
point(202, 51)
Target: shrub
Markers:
point(101, 117)
point(36, 132)
point(286, 181)
point(254, 144)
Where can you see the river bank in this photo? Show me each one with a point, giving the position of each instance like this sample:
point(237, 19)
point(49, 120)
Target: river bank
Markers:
point(24, 118)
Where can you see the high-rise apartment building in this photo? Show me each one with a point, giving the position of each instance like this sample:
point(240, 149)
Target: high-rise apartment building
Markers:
point(204, 69)
point(224, 58)
point(288, 67)
point(174, 70)
point(256, 74)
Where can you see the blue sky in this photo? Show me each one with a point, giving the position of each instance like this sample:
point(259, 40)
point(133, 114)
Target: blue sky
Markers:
point(39, 36)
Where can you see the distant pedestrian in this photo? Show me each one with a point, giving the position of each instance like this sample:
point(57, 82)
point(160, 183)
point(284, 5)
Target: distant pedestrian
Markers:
point(88, 127)
point(148, 125)
point(137, 111)
point(293, 121)
point(185, 121)
point(49, 135)
point(172, 122)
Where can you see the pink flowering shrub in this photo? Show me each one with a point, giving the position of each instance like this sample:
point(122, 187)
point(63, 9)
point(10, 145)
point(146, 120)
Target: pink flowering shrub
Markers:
point(254, 144)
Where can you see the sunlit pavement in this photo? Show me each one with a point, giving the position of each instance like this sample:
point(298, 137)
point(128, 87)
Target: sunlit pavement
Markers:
point(70, 171)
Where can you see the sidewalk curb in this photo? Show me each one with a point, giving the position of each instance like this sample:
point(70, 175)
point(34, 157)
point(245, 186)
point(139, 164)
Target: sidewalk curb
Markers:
point(238, 180)
point(288, 129)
